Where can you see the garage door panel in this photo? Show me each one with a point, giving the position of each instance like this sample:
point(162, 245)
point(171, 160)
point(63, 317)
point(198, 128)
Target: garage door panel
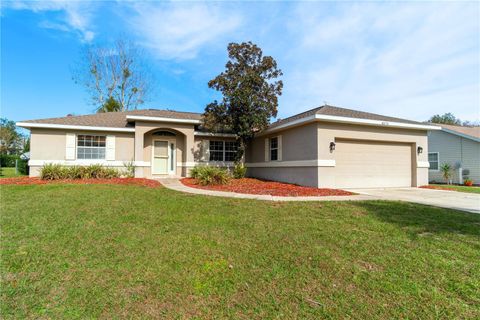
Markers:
point(370, 164)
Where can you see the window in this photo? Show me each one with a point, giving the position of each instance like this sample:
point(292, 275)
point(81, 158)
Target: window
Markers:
point(91, 147)
point(223, 150)
point(433, 160)
point(230, 150)
point(274, 149)
point(216, 150)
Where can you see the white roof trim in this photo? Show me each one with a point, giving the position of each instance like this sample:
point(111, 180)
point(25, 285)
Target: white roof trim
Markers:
point(162, 119)
point(211, 134)
point(463, 135)
point(71, 127)
point(368, 122)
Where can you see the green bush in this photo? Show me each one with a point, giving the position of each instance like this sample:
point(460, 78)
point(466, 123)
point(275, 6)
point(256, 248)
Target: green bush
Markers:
point(8, 160)
point(95, 171)
point(23, 167)
point(206, 175)
point(239, 171)
point(129, 169)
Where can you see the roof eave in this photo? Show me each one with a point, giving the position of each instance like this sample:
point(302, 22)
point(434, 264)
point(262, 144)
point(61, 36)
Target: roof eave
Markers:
point(163, 119)
point(29, 125)
point(358, 121)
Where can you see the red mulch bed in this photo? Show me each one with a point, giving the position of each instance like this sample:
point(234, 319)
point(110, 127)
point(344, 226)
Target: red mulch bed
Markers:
point(436, 188)
point(260, 187)
point(123, 181)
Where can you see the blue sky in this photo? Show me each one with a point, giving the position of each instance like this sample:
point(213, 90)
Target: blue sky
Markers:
point(404, 59)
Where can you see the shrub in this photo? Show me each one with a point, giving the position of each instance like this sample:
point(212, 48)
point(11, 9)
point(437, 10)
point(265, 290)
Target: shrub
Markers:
point(95, 171)
point(239, 171)
point(8, 160)
point(468, 182)
point(207, 175)
point(446, 170)
point(129, 169)
point(23, 166)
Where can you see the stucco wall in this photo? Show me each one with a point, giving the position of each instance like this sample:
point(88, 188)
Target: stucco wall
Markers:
point(458, 152)
point(329, 132)
point(50, 144)
point(307, 159)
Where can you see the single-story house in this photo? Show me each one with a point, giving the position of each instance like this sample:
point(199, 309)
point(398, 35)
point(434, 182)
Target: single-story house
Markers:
point(458, 146)
point(323, 147)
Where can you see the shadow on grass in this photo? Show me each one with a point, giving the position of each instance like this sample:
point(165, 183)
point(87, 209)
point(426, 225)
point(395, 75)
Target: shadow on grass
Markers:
point(418, 218)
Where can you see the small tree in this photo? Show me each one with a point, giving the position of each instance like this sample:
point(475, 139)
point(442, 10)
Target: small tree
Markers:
point(446, 170)
point(114, 74)
point(250, 94)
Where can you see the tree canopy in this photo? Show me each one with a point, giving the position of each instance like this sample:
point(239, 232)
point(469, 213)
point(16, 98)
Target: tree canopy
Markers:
point(12, 141)
point(116, 77)
point(250, 93)
point(449, 118)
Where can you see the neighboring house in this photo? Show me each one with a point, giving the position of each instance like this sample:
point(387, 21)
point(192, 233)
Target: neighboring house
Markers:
point(460, 147)
point(323, 147)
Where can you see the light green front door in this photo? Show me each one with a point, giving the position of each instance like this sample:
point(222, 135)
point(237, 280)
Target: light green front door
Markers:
point(160, 157)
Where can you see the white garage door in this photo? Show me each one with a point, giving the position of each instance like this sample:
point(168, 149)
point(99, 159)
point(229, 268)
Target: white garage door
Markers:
point(371, 164)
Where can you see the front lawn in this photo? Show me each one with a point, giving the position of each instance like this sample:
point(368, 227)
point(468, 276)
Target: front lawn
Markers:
point(9, 172)
point(116, 251)
point(452, 187)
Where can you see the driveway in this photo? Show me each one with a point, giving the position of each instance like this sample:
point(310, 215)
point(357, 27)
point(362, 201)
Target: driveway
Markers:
point(440, 198)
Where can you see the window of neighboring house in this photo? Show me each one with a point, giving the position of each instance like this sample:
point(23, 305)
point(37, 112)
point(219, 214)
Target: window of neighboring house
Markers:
point(433, 160)
point(223, 150)
point(273, 149)
point(91, 147)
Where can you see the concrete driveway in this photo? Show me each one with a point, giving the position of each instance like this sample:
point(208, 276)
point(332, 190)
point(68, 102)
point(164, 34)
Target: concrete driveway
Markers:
point(469, 202)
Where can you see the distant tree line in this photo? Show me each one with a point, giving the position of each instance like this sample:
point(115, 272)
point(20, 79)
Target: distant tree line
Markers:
point(449, 118)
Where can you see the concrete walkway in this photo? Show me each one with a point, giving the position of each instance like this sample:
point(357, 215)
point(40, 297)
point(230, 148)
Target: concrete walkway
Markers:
point(463, 201)
point(175, 184)
point(440, 198)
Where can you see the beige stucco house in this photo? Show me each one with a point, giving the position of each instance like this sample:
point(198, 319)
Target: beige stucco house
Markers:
point(458, 146)
point(323, 147)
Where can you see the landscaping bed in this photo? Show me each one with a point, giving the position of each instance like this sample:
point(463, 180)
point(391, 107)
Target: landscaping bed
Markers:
point(450, 187)
point(122, 181)
point(260, 187)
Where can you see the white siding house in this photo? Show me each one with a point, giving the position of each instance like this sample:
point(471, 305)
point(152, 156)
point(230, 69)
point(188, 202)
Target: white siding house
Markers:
point(458, 146)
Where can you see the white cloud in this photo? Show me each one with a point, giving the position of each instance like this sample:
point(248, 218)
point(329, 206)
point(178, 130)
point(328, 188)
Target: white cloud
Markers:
point(408, 60)
point(181, 30)
point(76, 16)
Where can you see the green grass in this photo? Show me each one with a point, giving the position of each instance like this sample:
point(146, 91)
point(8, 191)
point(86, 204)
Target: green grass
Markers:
point(99, 251)
point(8, 173)
point(471, 189)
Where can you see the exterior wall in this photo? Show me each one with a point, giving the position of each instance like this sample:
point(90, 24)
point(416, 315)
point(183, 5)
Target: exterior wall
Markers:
point(201, 156)
point(329, 132)
point(143, 145)
point(458, 151)
point(48, 145)
point(298, 154)
point(307, 159)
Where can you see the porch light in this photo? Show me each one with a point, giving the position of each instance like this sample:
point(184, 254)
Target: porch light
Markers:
point(419, 150)
point(332, 146)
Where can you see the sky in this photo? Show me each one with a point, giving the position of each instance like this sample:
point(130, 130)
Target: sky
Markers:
point(403, 59)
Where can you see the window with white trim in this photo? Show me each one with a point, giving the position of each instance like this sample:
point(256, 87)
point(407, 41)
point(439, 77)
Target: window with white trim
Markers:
point(274, 149)
point(433, 160)
point(223, 150)
point(91, 147)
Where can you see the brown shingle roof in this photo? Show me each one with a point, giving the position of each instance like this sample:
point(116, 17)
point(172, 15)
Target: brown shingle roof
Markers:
point(469, 131)
point(116, 119)
point(341, 112)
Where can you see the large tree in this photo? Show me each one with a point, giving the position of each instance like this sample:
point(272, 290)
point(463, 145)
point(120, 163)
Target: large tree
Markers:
point(250, 94)
point(117, 77)
point(11, 141)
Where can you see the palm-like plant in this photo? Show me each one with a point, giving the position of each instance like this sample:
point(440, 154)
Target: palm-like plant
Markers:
point(446, 170)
